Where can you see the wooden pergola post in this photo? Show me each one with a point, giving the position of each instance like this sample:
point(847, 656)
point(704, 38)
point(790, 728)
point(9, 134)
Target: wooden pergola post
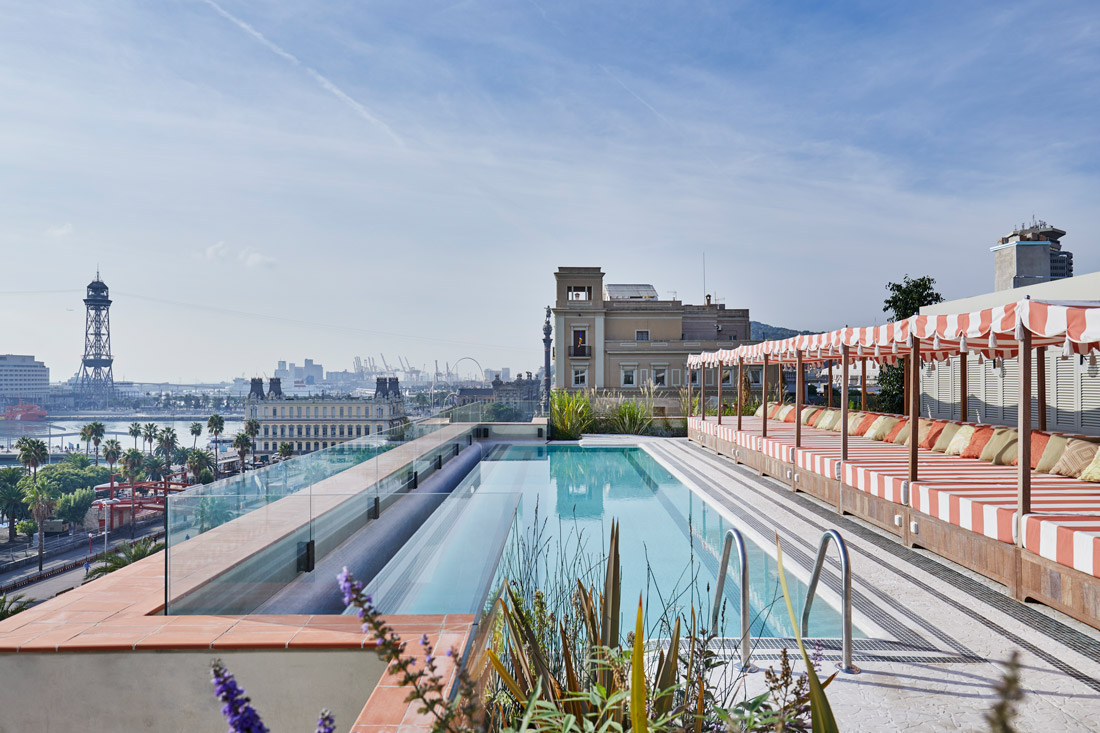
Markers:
point(1023, 429)
point(844, 402)
point(764, 397)
point(863, 384)
point(740, 377)
point(718, 370)
point(799, 381)
point(829, 386)
point(703, 392)
point(964, 390)
point(905, 382)
point(1041, 384)
point(914, 408)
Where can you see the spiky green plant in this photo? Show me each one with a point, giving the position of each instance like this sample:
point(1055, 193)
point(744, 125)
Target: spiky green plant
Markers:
point(570, 414)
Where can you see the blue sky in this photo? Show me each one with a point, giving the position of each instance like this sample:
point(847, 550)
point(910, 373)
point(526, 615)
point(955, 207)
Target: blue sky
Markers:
point(404, 177)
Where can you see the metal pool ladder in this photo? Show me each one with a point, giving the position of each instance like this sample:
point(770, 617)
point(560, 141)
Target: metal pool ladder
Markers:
point(845, 665)
point(742, 557)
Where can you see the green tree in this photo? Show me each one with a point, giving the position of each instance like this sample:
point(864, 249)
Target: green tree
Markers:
point(98, 430)
point(74, 507)
point(86, 436)
point(252, 430)
point(905, 299)
point(242, 444)
point(77, 460)
point(11, 498)
point(41, 498)
point(155, 468)
point(149, 435)
point(197, 461)
point(112, 451)
point(135, 432)
point(11, 605)
point(167, 442)
point(211, 512)
point(125, 555)
point(132, 463)
point(215, 425)
point(286, 450)
point(196, 433)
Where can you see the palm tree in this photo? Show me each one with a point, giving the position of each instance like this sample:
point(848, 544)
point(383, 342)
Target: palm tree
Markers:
point(197, 460)
point(215, 425)
point(252, 430)
point(98, 430)
point(112, 451)
point(11, 605)
point(211, 512)
point(155, 468)
point(86, 436)
point(41, 498)
point(135, 432)
point(11, 498)
point(166, 444)
point(132, 463)
point(149, 435)
point(286, 450)
point(242, 444)
point(196, 433)
point(125, 555)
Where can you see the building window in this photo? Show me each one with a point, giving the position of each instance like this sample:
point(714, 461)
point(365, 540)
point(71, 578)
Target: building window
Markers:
point(315, 445)
point(341, 431)
point(282, 431)
point(265, 431)
point(580, 376)
point(694, 378)
point(299, 410)
point(578, 292)
point(727, 376)
point(358, 430)
point(659, 379)
point(299, 431)
point(299, 447)
point(641, 335)
point(366, 430)
point(378, 412)
point(324, 430)
point(341, 410)
point(629, 376)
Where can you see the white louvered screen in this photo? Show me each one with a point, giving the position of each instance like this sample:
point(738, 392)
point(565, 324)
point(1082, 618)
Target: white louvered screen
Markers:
point(974, 375)
point(1064, 394)
point(1010, 392)
point(991, 394)
point(1090, 398)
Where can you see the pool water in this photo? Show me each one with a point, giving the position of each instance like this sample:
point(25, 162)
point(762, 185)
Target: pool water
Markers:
point(541, 516)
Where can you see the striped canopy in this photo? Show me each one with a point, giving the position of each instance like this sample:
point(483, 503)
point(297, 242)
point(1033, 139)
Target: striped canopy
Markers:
point(993, 332)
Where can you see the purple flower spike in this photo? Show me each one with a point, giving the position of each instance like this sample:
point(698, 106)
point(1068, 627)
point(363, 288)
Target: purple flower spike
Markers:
point(424, 640)
point(326, 723)
point(238, 711)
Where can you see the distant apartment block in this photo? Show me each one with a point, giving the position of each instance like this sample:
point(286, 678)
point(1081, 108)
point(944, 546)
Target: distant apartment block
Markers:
point(624, 337)
point(317, 422)
point(1030, 255)
point(23, 378)
point(307, 375)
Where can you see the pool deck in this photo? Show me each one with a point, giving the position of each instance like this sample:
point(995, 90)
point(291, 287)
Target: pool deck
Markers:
point(946, 628)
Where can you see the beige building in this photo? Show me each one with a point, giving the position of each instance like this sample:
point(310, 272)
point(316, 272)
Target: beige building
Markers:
point(621, 337)
point(1030, 255)
point(313, 423)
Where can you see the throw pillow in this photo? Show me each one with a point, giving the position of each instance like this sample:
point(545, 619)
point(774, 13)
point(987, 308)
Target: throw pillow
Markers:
point(865, 424)
point(899, 432)
point(881, 427)
point(974, 448)
point(1056, 446)
point(932, 434)
point(1092, 471)
point(946, 434)
point(1076, 458)
point(1001, 448)
point(961, 440)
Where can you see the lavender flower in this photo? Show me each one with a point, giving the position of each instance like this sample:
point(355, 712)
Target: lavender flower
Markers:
point(326, 723)
point(817, 655)
point(238, 711)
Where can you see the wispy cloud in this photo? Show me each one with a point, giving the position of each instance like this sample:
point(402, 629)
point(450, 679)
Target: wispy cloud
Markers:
point(249, 257)
point(321, 79)
point(59, 230)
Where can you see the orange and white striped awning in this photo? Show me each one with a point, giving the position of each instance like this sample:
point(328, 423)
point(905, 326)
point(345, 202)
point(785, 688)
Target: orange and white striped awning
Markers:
point(992, 332)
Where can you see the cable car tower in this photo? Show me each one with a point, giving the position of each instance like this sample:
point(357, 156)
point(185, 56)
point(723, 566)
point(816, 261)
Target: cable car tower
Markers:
point(97, 382)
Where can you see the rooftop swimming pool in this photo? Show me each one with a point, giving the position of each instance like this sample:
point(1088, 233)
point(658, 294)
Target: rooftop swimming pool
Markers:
point(543, 513)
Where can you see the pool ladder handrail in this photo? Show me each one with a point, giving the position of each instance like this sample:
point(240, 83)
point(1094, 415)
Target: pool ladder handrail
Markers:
point(732, 536)
point(845, 665)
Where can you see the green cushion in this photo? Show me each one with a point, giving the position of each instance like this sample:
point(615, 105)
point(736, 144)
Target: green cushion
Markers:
point(1056, 446)
point(881, 427)
point(944, 440)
